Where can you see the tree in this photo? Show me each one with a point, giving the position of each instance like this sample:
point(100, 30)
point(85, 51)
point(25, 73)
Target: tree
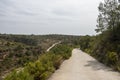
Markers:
point(109, 15)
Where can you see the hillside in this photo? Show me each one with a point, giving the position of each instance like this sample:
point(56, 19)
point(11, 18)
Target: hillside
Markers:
point(17, 50)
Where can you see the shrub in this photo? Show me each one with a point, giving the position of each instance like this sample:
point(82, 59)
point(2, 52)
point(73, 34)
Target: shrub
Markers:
point(112, 58)
point(19, 75)
point(44, 66)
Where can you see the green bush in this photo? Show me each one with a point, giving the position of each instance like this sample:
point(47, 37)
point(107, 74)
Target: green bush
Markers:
point(112, 58)
point(39, 70)
point(44, 66)
point(19, 75)
point(63, 50)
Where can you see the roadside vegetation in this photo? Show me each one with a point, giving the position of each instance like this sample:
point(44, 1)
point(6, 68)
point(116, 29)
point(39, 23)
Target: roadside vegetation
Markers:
point(105, 47)
point(18, 50)
point(28, 52)
point(44, 66)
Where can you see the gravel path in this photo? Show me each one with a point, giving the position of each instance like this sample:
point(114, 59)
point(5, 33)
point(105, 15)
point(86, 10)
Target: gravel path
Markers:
point(81, 66)
point(53, 46)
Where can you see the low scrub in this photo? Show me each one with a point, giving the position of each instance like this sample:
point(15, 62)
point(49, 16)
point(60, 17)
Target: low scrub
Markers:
point(44, 66)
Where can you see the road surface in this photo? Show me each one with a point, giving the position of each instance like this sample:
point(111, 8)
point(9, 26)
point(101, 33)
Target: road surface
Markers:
point(53, 46)
point(81, 66)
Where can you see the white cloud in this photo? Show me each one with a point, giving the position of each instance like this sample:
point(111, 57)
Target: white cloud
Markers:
point(75, 15)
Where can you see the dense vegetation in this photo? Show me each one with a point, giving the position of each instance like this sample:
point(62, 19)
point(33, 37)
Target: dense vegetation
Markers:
point(106, 46)
point(25, 52)
point(14, 55)
point(18, 50)
point(44, 66)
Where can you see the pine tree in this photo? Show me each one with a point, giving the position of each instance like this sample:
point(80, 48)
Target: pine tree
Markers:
point(109, 15)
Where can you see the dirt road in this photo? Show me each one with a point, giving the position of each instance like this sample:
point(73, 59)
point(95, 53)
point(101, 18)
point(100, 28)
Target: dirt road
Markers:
point(81, 66)
point(53, 46)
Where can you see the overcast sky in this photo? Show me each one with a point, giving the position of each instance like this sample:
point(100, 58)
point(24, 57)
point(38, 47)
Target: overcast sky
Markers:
point(74, 17)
